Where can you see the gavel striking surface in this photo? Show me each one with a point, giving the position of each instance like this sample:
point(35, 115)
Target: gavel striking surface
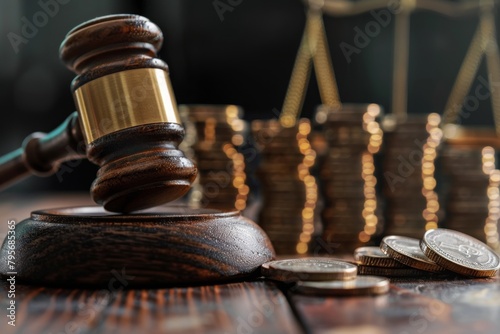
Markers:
point(130, 126)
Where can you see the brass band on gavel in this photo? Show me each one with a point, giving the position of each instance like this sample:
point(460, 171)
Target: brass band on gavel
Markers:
point(125, 99)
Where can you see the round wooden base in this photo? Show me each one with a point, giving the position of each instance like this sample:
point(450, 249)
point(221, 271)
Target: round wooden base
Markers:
point(86, 246)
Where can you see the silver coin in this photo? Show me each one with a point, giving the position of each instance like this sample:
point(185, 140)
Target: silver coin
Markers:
point(309, 269)
point(391, 272)
point(362, 285)
point(373, 256)
point(407, 251)
point(460, 253)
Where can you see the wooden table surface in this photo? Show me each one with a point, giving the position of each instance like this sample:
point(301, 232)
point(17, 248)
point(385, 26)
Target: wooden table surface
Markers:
point(454, 305)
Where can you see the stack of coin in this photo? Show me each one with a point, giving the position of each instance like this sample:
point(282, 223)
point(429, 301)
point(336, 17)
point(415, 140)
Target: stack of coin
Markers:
point(289, 191)
point(412, 205)
point(396, 257)
point(215, 132)
point(372, 261)
point(351, 215)
point(439, 252)
point(324, 276)
point(472, 204)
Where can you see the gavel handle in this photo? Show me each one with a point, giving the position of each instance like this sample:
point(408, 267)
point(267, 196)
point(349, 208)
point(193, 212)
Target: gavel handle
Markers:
point(41, 154)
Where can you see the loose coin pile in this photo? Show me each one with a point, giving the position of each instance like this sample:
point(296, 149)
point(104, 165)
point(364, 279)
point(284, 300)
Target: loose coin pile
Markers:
point(289, 191)
point(440, 251)
point(372, 261)
point(473, 191)
point(324, 276)
point(412, 205)
point(218, 131)
point(351, 216)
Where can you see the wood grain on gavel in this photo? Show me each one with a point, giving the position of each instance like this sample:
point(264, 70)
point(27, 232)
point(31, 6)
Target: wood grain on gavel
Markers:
point(127, 118)
point(128, 112)
point(80, 246)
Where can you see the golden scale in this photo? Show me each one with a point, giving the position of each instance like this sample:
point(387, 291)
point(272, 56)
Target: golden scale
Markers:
point(135, 146)
point(314, 50)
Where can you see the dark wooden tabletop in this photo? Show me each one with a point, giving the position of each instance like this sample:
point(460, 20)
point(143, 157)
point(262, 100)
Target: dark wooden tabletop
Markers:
point(454, 305)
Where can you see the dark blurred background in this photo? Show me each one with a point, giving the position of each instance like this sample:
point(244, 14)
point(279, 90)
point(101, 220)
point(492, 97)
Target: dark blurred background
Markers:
point(245, 58)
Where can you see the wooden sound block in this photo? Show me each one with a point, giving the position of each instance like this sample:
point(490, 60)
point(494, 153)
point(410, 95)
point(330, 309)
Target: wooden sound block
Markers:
point(178, 245)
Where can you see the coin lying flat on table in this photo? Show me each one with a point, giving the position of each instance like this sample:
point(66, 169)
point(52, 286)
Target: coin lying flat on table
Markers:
point(361, 285)
point(373, 256)
point(391, 272)
point(407, 251)
point(309, 269)
point(460, 253)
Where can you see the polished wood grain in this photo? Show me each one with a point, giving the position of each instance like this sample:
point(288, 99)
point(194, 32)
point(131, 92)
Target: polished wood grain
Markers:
point(18, 206)
point(174, 245)
point(141, 167)
point(248, 307)
point(459, 306)
point(111, 44)
point(454, 305)
point(413, 306)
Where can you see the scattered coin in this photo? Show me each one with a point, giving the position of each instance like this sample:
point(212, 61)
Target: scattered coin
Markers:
point(362, 285)
point(373, 256)
point(460, 253)
point(441, 251)
point(407, 251)
point(309, 269)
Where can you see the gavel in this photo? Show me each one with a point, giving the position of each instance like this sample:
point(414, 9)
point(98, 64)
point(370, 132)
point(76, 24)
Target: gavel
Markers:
point(127, 121)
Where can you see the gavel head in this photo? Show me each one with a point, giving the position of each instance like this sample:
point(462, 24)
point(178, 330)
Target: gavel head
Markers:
point(128, 113)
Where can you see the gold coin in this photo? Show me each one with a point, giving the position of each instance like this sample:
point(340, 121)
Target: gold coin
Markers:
point(460, 253)
point(407, 251)
point(373, 256)
point(309, 269)
point(362, 285)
